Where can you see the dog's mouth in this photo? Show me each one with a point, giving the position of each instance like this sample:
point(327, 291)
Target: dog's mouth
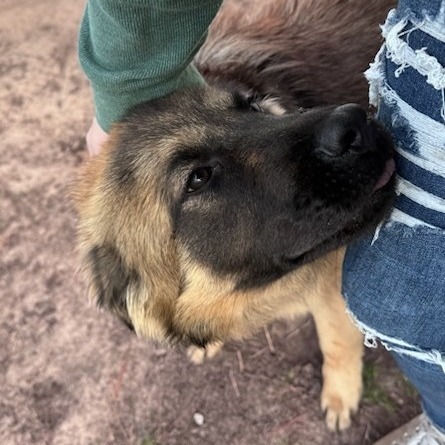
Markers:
point(384, 141)
point(378, 203)
point(388, 173)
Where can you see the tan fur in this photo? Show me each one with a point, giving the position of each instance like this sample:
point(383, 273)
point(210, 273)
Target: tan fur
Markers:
point(211, 305)
point(243, 44)
point(154, 257)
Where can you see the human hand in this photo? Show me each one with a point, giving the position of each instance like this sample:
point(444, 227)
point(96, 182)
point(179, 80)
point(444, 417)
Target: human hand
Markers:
point(95, 138)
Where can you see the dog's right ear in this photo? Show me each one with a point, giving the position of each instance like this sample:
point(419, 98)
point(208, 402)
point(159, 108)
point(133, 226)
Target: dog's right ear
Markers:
point(112, 283)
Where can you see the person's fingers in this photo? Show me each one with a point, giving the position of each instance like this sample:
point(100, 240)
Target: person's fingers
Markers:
point(95, 138)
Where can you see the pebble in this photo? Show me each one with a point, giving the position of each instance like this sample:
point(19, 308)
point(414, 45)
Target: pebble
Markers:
point(198, 418)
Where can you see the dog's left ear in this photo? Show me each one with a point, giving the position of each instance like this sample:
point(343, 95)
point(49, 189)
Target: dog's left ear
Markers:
point(112, 282)
point(126, 245)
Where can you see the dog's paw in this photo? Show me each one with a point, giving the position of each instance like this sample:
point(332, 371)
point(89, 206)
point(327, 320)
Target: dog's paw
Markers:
point(340, 400)
point(197, 355)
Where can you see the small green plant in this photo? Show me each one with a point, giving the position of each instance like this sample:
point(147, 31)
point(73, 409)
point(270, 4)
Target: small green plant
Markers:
point(372, 392)
point(289, 376)
point(282, 442)
point(147, 441)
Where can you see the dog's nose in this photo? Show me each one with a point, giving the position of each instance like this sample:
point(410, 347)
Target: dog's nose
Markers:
point(343, 131)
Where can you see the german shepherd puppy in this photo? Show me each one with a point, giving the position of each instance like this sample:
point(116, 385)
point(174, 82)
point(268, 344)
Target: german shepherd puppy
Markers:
point(212, 212)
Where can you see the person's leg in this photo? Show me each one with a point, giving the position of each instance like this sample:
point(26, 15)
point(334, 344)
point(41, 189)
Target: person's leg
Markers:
point(429, 379)
point(395, 292)
point(394, 281)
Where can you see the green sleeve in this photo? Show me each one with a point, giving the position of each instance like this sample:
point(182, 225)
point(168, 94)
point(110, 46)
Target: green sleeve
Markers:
point(137, 50)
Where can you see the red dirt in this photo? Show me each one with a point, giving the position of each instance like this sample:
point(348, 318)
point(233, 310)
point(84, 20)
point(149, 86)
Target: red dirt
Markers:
point(71, 375)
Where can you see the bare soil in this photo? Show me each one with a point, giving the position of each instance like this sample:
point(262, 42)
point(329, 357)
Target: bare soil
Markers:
point(71, 375)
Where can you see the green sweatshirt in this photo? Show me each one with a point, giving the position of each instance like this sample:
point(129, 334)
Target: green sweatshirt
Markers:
point(137, 50)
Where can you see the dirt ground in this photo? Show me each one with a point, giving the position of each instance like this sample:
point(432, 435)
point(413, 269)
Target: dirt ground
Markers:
point(71, 375)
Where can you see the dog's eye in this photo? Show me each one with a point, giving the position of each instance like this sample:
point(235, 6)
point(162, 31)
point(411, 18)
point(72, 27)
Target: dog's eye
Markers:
point(199, 178)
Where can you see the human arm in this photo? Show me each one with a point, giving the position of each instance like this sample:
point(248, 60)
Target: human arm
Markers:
point(137, 50)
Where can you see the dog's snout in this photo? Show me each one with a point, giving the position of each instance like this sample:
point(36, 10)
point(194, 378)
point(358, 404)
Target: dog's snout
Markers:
point(343, 130)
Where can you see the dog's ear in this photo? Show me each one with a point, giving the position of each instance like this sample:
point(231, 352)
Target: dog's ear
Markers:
point(144, 297)
point(112, 282)
point(125, 238)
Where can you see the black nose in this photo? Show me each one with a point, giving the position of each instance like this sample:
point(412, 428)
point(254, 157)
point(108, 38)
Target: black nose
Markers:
point(342, 131)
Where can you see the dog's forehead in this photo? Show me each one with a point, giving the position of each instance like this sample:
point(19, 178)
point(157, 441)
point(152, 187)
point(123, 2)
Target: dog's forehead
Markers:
point(183, 118)
point(216, 99)
point(196, 105)
point(210, 106)
point(221, 100)
point(197, 119)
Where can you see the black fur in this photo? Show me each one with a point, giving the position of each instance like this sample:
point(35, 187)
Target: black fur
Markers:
point(278, 197)
point(111, 280)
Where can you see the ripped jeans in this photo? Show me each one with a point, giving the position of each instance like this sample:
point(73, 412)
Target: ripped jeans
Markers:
point(394, 281)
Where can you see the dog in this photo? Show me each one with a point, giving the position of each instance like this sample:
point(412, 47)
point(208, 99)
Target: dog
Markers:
point(214, 211)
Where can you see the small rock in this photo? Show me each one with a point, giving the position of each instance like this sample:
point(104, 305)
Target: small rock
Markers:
point(198, 418)
point(160, 352)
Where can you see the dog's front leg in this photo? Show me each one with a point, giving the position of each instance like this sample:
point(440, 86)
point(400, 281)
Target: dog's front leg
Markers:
point(342, 346)
point(198, 355)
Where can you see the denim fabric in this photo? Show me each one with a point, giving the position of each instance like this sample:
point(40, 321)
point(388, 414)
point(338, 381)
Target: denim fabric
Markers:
point(430, 380)
point(394, 282)
point(397, 285)
point(395, 290)
point(419, 8)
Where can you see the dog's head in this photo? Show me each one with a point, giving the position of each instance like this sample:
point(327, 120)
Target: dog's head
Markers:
point(203, 199)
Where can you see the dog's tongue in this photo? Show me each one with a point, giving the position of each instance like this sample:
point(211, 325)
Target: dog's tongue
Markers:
point(390, 167)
